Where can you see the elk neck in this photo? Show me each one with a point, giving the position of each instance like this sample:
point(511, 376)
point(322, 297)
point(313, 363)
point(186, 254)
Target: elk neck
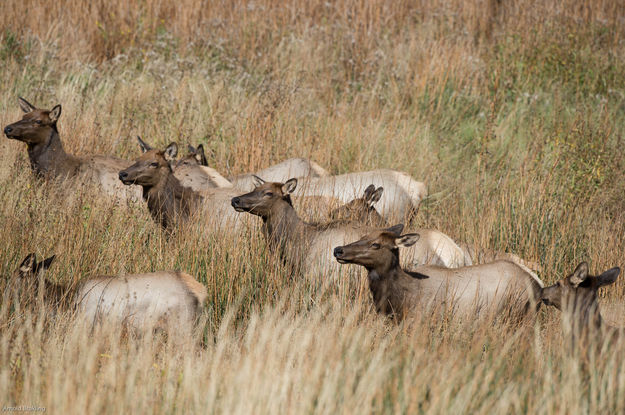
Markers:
point(50, 159)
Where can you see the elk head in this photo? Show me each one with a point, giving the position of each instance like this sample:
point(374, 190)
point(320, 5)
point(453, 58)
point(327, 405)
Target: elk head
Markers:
point(264, 197)
point(36, 126)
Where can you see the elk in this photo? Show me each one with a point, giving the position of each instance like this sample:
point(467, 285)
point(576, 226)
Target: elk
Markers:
point(433, 247)
point(576, 296)
point(168, 200)
point(192, 170)
point(361, 209)
point(499, 286)
point(28, 276)
point(164, 299)
point(401, 198)
point(309, 246)
point(196, 165)
point(293, 167)
point(48, 159)
point(446, 252)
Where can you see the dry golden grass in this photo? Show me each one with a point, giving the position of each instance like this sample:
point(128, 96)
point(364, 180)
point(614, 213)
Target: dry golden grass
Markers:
point(512, 113)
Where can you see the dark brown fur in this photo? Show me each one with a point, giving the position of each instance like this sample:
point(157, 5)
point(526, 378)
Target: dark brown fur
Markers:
point(361, 210)
point(168, 201)
point(28, 275)
point(389, 284)
point(577, 296)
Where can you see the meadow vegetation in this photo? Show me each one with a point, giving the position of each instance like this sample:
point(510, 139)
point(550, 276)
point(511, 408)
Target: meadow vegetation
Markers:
point(512, 113)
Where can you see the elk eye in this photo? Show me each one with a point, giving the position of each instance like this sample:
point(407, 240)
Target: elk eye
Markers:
point(375, 246)
point(38, 122)
point(154, 164)
point(268, 194)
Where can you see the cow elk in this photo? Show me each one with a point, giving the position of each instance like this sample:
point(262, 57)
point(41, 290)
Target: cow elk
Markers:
point(48, 159)
point(362, 209)
point(168, 200)
point(441, 249)
point(400, 199)
point(576, 296)
point(500, 287)
point(164, 300)
point(309, 246)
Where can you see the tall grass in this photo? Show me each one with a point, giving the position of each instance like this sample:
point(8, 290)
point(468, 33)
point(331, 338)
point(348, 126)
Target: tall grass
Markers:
point(512, 113)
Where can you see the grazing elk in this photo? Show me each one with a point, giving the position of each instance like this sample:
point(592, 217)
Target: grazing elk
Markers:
point(310, 245)
point(48, 158)
point(576, 297)
point(168, 200)
point(498, 286)
point(164, 299)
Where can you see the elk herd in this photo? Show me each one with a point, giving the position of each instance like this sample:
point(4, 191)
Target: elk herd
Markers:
point(409, 271)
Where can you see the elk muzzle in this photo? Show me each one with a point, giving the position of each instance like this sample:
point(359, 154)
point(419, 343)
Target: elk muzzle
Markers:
point(123, 176)
point(339, 254)
point(236, 204)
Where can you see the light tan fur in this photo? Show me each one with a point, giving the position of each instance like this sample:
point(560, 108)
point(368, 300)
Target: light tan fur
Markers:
point(400, 200)
point(141, 301)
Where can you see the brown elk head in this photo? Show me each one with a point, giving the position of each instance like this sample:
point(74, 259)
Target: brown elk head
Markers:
point(578, 291)
point(377, 251)
point(151, 167)
point(264, 197)
point(195, 156)
point(36, 126)
point(361, 209)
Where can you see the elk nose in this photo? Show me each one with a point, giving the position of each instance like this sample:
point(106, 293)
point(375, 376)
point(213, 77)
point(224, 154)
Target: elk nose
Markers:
point(338, 251)
point(123, 175)
point(7, 130)
point(235, 201)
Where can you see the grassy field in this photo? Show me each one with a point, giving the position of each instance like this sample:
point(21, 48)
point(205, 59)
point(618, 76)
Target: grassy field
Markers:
point(512, 113)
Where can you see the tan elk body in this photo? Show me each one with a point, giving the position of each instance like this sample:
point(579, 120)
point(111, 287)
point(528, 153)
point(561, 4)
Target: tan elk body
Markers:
point(281, 172)
point(48, 158)
point(433, 247)
point(496, 287)
point(436, 247)
point(400, 200)
point(164, 299)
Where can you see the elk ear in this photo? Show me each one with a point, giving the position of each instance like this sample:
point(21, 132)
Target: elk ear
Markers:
point(368, 192)
point(407, 240)
point(609, 277)
point(396, 230)
point(45, 264)
point(257, 180)
point(28, 264)
point(580, 274)
point(200, 156)
point(145, 147)
point(377, 195)
point(25, 105)
point(289, 186)
point(55, 113)
point(171, 152)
